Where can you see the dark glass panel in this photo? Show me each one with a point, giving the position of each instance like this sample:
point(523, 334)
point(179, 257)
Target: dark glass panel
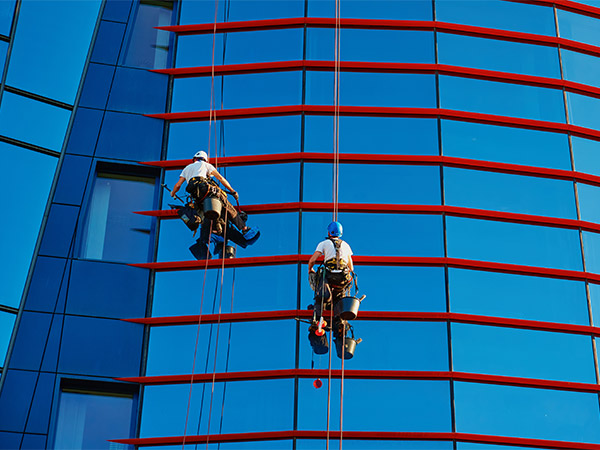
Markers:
point(203, 11)
point(411, 235)
point(130, 137)
point(526, 412)
point(17, 113)
point(578, 27)
point(264, 46)
point(89, 419)
point(396, 184)
point(85, 131)
point(50, 361)
point(100, 347)
point(111, 230)
point(91, 295)
point(17, 393)
point(52, 38)
point(147, 46)
point(47, 279)
point(401, 46)
point(498, 14)
point(586, 155)
point(96, 86)
point(130, 87)
point(522, 353)
point(108, 42)
point(73, 177)
point(517, 296)
point(39, 416)
point(509, 193)
point(33, 442)
point(10, 440)
point(498, 55)
point(373, 9)
point(30, 343)
point(513, 243)
point(197, 50)
point(505, 99)
point(425, 405)
point(117, 10)
point(505, 144)
point(378, 135)
point(59, 231)
point(26, 200)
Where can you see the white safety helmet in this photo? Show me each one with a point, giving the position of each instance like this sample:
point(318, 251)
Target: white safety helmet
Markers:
point(201, 155)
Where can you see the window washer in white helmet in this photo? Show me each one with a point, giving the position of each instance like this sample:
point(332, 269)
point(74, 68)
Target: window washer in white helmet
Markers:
point(199, 185)
point(331, 282)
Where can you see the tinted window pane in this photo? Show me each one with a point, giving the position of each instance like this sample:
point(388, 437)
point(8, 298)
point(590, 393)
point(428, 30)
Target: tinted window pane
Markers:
point(494, 54)
point(595, 302)
point(517, 296)
point(379, 135)
point(589, 202)
point(578, 27)
point(261, 46)
point(373, 9)
point(498, 14)
point(527, 413)
point(504, 99)
point(584, 111)
point(146, 46)
point(203, 11)
point(412, 184)
point(7, 320)
point(112, 231)
point(372, 89)
point(581, 68)
point(510, 193)
point(7, 9)
point(522, 353)
point(505, 144)
point(17, 235)
point(52, 38)
point(17, 113)
point(365, 45)
point(586, 155)
point(89, 420)
point(513, 243)
point(377, 445)
point(591, 249)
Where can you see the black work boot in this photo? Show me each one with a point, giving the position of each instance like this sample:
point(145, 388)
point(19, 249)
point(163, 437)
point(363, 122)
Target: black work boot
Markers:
point(319, 344)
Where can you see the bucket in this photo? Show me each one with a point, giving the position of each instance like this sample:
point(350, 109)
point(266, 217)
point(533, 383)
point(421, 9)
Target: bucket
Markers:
point(349, 347)
point(347, 308)
point(212, 208)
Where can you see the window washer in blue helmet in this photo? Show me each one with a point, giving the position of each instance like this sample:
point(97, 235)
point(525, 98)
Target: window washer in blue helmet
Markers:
point(331, 282)
point(201, 186)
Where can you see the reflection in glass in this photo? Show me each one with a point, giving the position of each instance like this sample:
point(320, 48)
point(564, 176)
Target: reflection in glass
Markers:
point(591, 250)
point(589, 202)
point(111, 230)
point(505, 144)
point(517, 296)
point(89, 419)
point(526, 412)
point(584, 111)
point(147, 46)
point(586, 155)
point(510, 193)
point(578, 27)
point(513, 243)
point(581, 68)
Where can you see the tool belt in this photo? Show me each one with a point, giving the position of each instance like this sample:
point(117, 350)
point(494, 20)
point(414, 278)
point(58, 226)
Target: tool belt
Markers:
point(339, 278)
point(200, 188)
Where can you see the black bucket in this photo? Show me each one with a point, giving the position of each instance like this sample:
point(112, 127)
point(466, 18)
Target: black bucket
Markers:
point(212, 208)
point(347, 308)
point(350, 346)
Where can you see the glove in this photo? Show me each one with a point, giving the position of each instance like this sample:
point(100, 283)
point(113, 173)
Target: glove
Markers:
point(312, 279)
point(235, 195)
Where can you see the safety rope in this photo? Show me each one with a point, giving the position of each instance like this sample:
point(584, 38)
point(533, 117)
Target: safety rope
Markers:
point(211, 111)
point(329, 372)
point(336, 111)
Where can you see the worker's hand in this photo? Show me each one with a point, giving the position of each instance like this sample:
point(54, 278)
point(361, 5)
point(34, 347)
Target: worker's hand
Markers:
point(173, 194)
point(235, 195)
point(312, 279)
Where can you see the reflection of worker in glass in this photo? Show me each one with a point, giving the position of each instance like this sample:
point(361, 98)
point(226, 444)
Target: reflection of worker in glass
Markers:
point(331, 282)
point(200, 186)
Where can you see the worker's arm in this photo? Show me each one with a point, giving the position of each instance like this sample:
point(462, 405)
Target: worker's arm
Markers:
point(350, 264)
point(313, 260)
point(224, 182)
point(177, 186)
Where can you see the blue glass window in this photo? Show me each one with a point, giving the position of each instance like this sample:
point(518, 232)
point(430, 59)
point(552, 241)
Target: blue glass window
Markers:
point(318, 180)
point(510, 193)
point(204, 11)
point(3, 52)
point(197, 50)
point(578, 27)
point(7, 10)
point(146, 46)
point(581, 68)
point(17, 113)
point(586, 155)
point(111, 230)
point(374, 9)
point(591, 250)
point(17, 235)
point(7, 321)
point(490, 97)
point(498, 14)
point(595, 303)
point(129, 91)
point(513, 243)
point(526, 412)
point(494, 54)
point(517, 296)
point(52, 38)
point(264, 46)
point(584, 111)
point(505, 144)
point(89, 419)
point(379, 135)
point(589, 206)
point(372, 89)
point(522, 353)
point(349, 444)
point(366, 45)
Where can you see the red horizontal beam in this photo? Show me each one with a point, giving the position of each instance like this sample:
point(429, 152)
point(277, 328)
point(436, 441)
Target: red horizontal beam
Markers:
point(567, 5)
point(409, 316)
point(365, 375)
point(374, 111)
point(383, 67)
point(360, 435)
point(454, 211)
point(379, 261)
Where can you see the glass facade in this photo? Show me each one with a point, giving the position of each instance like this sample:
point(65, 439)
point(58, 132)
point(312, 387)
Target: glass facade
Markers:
point(468, 177)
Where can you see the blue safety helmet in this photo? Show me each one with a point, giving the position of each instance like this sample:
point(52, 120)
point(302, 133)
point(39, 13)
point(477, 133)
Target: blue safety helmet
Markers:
point(335, 229)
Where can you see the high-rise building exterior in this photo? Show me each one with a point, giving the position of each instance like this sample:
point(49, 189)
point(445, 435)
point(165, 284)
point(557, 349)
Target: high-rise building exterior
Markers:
point(467, 182)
